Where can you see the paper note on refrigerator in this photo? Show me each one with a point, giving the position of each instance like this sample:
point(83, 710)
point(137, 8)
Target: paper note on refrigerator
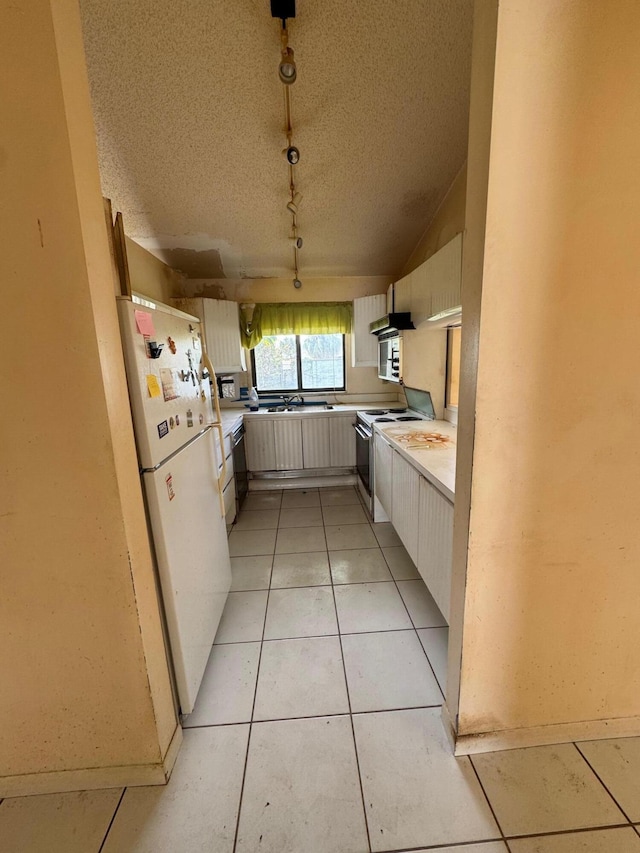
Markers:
point(169, 379)
point(153, 385)
point(144, 323)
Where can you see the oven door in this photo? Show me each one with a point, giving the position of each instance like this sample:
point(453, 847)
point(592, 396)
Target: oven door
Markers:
point(363, 458)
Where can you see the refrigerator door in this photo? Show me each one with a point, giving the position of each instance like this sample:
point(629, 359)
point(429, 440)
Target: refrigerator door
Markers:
point(170, 399)
point(193, 557)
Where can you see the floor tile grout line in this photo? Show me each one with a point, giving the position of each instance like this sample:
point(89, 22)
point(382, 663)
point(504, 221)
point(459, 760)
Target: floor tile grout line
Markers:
point(578, 830)
point(599, 778)
point(434, 848)
point(317, 716)
point(433, 672)
point(486, 796)
point(253, 705)
point(346, 683)
point(113, 817)
point(314, 636)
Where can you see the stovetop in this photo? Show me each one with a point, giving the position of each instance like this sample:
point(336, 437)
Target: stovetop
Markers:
point(388, 416)
point(419, 408)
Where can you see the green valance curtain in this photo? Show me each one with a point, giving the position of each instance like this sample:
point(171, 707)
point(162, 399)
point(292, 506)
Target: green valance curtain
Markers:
point(295, 318)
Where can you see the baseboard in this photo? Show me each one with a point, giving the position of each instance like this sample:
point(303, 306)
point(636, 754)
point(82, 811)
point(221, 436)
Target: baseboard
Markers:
point(472, 744)
point(93, 778)
point(302, 482)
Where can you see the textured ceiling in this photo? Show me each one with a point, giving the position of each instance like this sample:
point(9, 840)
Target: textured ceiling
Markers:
point(189, 116)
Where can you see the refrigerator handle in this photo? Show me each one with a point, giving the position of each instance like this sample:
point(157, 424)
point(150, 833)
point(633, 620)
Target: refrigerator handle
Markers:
point(215, 405)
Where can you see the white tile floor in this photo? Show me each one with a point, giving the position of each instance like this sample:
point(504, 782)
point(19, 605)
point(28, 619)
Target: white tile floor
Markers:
point(317, 728)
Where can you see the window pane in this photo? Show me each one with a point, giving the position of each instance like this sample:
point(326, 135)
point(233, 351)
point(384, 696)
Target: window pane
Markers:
point(322, 361)
point(276, 368)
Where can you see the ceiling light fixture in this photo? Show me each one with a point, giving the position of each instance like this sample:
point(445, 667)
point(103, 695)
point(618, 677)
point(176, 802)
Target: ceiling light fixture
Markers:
point(288, 73)
point(287, 70)
point(292, 155)
point(294, 204)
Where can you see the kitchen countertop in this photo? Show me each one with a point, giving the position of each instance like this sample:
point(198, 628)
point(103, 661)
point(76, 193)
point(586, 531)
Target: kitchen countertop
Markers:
point(436, 464)
point(230, 419)
point(310, 411)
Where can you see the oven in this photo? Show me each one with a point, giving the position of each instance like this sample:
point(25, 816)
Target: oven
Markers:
point(364, 461)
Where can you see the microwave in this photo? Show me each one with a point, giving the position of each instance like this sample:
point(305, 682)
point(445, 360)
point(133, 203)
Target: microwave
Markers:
point(389, 358)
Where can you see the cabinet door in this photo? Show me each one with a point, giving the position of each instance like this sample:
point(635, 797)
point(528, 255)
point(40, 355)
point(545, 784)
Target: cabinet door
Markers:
point(402, 294)
point(342, 439)
point(315, 442)
point(288, 443)
point(444, 277)
point(435, 544)
point(260, 444)
point(382, 474)
point(229, 497)
point(404, 503)
point(222, 330)
point(366, 309)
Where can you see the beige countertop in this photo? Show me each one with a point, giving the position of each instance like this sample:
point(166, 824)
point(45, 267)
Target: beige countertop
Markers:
point(230, 419)
point(314, 411)
point(437, 463)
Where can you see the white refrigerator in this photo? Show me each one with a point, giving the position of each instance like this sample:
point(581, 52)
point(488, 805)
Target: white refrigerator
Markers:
point(181, 457)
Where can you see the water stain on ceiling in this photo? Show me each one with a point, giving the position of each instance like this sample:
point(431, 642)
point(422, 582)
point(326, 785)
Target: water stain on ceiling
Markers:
point(190, 128)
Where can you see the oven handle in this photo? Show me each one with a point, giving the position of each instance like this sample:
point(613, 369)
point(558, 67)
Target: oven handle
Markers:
point(361, 432)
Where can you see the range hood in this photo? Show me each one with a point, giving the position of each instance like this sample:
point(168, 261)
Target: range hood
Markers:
point(395, 322)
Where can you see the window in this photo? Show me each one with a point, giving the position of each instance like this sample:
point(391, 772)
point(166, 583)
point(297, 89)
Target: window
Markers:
point(299, 363)
point(453, 367)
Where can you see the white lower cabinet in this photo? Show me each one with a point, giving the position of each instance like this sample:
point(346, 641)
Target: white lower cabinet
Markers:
point(435, 543)
point(316, 443)
point(383, 472)
point(405, 509)
point(292, 444)
point(288, 443)
point(260, 444)
point(342, 441)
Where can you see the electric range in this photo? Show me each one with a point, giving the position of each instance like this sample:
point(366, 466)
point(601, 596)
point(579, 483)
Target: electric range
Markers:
point(420, 408)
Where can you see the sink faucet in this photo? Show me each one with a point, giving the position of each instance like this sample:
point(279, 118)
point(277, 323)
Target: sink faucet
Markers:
point(288, 400)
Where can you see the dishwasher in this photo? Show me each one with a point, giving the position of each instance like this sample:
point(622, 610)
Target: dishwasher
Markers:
point(240, 465)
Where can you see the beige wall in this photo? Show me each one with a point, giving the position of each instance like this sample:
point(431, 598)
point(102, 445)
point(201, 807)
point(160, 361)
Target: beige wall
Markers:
point(550, 630)
point(85, 682)
point(360, 380)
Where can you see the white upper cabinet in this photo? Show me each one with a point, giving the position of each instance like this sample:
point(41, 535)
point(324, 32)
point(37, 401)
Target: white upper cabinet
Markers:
point(402, 294)
point(433, 287)
point(222, 331)
point(364, 349)
point(221, 320)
